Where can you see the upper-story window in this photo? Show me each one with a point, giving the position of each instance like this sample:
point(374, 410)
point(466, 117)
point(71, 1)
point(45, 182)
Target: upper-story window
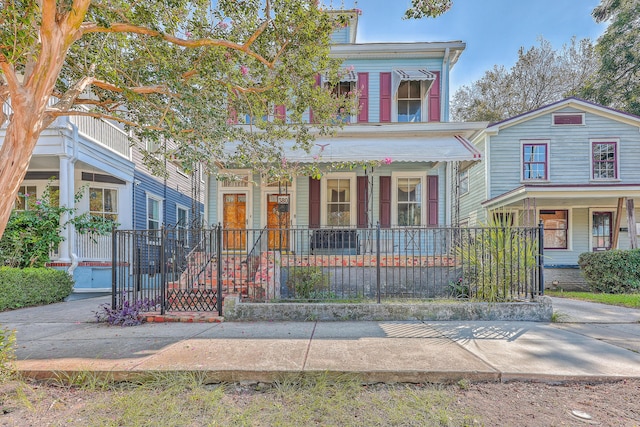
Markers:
point(604, 155)
point(344, 89)
point(535, 161)
point(410, 101)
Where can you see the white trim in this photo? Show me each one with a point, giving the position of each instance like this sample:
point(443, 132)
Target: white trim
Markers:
point(424, 114)
point(160, 201)
point(613, 223)
point(615, 141)
point(567, 113)
point(423, 195)
point(547, 143)
point(460, 193)
point(569, 226)
point(352, 196)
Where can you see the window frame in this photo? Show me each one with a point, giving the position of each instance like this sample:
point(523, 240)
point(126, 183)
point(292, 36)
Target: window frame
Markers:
point(463, 176)
point(554, 115)
point(395, 176)
point(324, 202)
point(535, 142)
point(184, 228)
point(567, 229)
point(103, 213)
point(592, 212)
point(160, 201)
point(27, 200)
point(422, 99)
point(616, 163)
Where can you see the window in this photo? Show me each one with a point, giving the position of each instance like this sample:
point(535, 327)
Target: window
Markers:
point(409, 101)
point(605, 162)
point(154, 208)
point(601, 232)
point(556, 228)
point(338, 202)
point(343, 89)
point(27, 197)
point(568, 119)
point(534, 161)
point(182, 222)
point(103, 203)
point(463, 182)
point(409, 201)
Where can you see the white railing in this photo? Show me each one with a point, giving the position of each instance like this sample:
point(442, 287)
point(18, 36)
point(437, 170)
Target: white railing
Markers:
point(93, 248)
point(103, 133)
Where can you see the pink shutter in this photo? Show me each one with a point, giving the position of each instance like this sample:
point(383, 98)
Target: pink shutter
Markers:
point(311, 118)
point(280, 112)
point(434, 99)
point(385, 201)
point(385, 97)
point(363, 97)
point(362, 197)
point(432, 200)
point(314, 203)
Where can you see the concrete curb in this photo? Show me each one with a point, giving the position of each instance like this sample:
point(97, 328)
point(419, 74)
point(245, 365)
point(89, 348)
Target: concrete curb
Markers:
point(539, 310)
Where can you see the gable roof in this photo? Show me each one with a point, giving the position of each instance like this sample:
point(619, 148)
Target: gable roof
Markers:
point(575, 102)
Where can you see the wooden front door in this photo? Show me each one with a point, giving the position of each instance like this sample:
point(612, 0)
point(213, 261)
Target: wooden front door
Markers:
point(278, 208)
point(234, 221)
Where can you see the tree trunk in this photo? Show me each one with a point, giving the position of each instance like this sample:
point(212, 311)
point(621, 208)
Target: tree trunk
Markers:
point(15, 155)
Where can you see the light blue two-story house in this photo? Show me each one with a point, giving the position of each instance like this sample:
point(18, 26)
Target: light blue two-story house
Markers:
point(402, 123)
point(570, 165)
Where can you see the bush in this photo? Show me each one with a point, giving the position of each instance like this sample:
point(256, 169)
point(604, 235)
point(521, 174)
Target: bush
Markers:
point(32, 286)
point(612, 272)
point(127, 313)
point(308, 282)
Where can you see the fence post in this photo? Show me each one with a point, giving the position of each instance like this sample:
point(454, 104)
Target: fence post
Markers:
point(541, 258)
point(378, 259)
point(163, 275)
point(114, 267)
point(218, 230)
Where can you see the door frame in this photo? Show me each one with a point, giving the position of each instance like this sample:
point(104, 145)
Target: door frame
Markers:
point(244, 188)
point(266, 191)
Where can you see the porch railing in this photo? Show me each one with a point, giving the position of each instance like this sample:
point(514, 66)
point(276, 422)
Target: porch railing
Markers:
point(334, 264)
point(104, 133)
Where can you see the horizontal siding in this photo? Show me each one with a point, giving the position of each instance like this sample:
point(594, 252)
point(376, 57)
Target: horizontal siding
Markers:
point(569, 150)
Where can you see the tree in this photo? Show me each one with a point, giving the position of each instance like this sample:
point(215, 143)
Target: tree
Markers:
point(427, 8)
point(540, 76)
point(178, 69)
point(617, 80)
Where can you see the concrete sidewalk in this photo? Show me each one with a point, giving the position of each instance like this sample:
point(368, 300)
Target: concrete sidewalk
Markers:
point(58, 339)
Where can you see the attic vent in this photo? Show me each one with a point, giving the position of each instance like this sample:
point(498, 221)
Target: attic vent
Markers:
point(568, 119)
point(234, 180)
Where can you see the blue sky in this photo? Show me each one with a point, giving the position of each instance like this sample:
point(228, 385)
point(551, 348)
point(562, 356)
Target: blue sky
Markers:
point(493, 30)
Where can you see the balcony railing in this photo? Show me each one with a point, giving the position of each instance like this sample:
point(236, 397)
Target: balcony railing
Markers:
point(103, 133)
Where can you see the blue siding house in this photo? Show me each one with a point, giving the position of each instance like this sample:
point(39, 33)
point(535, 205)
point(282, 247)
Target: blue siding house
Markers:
point(572, 165)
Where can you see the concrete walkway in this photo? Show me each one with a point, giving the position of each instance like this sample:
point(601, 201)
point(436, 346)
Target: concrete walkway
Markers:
point(595, 343)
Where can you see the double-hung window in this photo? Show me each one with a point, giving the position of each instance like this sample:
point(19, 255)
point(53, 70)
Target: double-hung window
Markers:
point(604, 155)
point(535, 161)
point(556, 228)
point(182, 222)
point(103, 203)
point(410, 101)
point(409, 201)
point(26, 199)
point(154, 214)
point(338, 201)
point(463, 182)
point(344, 89)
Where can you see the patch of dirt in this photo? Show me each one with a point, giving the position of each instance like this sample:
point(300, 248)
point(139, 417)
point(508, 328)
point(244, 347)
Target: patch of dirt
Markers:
point(487, 404)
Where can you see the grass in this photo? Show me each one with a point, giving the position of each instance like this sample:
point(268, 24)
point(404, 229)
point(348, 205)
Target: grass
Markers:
point(184, 399)
point(623, 300)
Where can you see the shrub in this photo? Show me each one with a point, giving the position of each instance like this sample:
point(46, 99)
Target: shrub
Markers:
point(32, 286)
point(308, 282)
point(612, 272)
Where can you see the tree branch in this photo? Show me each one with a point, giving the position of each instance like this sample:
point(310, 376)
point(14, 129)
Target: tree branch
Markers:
point(87, 28)
point(142, 90)
point(57, 113)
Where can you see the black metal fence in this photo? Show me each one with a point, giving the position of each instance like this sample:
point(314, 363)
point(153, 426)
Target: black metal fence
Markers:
point(192, 270)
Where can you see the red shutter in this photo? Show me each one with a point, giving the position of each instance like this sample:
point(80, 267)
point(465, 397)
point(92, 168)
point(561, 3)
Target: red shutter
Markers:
point(314, 203)
point(432, 200)
point(362, 197)
point(363, 97)
point(280, 112)
point(385, 97)
point(311, 119)
point(385, 201)
point(434, 99)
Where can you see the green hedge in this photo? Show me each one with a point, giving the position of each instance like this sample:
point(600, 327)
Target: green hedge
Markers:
point(612, 272)
point(32, 286)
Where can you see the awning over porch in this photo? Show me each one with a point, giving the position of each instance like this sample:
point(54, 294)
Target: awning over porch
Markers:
point(433, 149)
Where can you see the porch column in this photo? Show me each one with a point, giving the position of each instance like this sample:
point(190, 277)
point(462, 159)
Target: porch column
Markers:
point(66, 186)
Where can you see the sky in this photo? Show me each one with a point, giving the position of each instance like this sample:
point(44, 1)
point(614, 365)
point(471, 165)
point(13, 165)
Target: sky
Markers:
point(493, 30)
